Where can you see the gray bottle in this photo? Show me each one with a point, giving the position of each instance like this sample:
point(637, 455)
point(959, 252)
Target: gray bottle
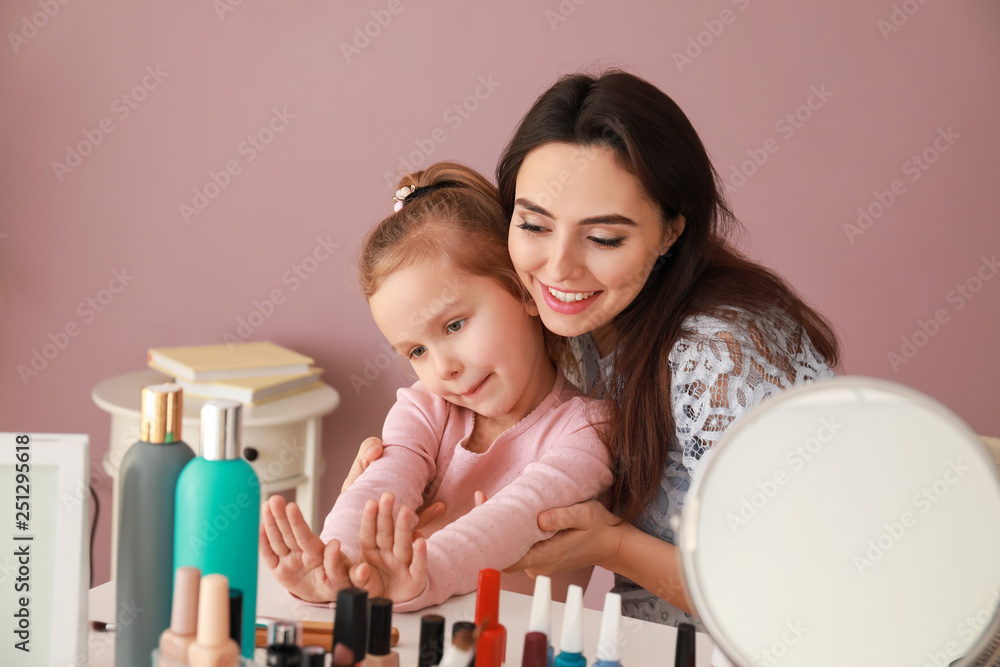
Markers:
point(147, 483)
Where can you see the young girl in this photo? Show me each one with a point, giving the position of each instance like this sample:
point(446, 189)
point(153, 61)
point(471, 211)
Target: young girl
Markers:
point(489, 413)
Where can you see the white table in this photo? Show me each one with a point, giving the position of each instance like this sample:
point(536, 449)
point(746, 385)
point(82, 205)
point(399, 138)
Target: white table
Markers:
point(642, 643)
point(286, 434)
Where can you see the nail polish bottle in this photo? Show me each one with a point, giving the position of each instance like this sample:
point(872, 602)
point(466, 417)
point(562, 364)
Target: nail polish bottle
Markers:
point(313, 656)
point(684, 653)
point(608, 653)
point(282, 644)
point(431, 640)
point(350, 624)
point(536, 650)
point(147, 485)
point(214, 647)
point(491, 649)
point(571, 642)
point(380, 653)
point(218, 511)
point(541, 613)
point(236, 616)
point(176, 639)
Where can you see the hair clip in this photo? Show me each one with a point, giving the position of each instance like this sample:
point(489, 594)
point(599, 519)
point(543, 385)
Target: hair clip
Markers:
point(401, 195)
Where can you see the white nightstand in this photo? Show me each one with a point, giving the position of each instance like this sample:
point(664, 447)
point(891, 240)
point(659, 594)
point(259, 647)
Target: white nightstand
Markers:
point(285, 435)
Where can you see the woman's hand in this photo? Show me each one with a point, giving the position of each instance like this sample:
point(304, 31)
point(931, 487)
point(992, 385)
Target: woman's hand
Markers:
point(587, 536)
point(370, 450)
point(394, 558)
point(297, 556)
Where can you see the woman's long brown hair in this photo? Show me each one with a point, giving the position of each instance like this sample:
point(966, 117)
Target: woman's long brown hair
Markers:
point(704, 274)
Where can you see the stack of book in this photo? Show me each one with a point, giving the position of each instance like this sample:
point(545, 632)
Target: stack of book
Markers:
point(248, 372)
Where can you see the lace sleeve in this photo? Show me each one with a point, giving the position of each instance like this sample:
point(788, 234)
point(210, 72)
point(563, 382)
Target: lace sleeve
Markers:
point(725, 368)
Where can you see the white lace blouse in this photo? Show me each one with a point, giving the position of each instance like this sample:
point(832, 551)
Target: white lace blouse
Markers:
point(719, 371)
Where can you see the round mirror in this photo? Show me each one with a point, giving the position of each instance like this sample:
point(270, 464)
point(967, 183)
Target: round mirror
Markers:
point(847, 522)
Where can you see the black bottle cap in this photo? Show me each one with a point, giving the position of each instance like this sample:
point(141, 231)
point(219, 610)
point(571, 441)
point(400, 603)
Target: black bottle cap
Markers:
point(313, 656)
point(236, 615)
point(431, 640)
point(380, 626)
point(684, 656)
point(350, 621)
point(536, 650)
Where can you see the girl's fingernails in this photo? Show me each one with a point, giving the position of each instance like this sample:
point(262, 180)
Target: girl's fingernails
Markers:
point(545, 521)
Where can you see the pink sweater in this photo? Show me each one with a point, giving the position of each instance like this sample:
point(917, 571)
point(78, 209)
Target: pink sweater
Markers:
point(551, 458)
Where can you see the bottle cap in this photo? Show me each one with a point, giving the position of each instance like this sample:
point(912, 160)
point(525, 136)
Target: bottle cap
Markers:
point(213, 610)
point(350, 625)
point(236, 615)
point(220, 429)
point(380, 626)
point(541, 604)
point(283, 633)
point(572, 630)
point(684, 655)
point(611, 621)
point(488, 599)
point(431, 640)
point(184, 613)
point(536, 650)
point(313, 656)
point(161, 410)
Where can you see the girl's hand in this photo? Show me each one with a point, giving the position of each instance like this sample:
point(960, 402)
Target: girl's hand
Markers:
point(297, 556)
point(394, 563)
point(587, 536)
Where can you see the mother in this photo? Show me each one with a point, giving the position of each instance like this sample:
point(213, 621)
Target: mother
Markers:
point(620, 231)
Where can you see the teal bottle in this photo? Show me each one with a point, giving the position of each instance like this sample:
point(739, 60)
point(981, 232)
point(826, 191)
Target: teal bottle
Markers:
point(218, 511)
point(147, 480)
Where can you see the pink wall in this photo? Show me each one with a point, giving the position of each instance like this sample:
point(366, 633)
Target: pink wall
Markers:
point(222, 69)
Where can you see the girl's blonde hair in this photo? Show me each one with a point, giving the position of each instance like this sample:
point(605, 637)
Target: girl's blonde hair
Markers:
point(456, 219)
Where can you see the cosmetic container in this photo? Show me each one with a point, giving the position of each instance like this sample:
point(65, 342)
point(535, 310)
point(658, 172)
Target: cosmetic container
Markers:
point(541, 614)
point(380, 653)
point(350, 621)
point(571, 642)
point(147, 488)
point(684, 654)
point(176, 639)
point(218, 511)
point(214, 647)
point(608, 653)
point(431, 640)
point(282, 644)
point(313, 656)
point(536, 650)
point(491, 648)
